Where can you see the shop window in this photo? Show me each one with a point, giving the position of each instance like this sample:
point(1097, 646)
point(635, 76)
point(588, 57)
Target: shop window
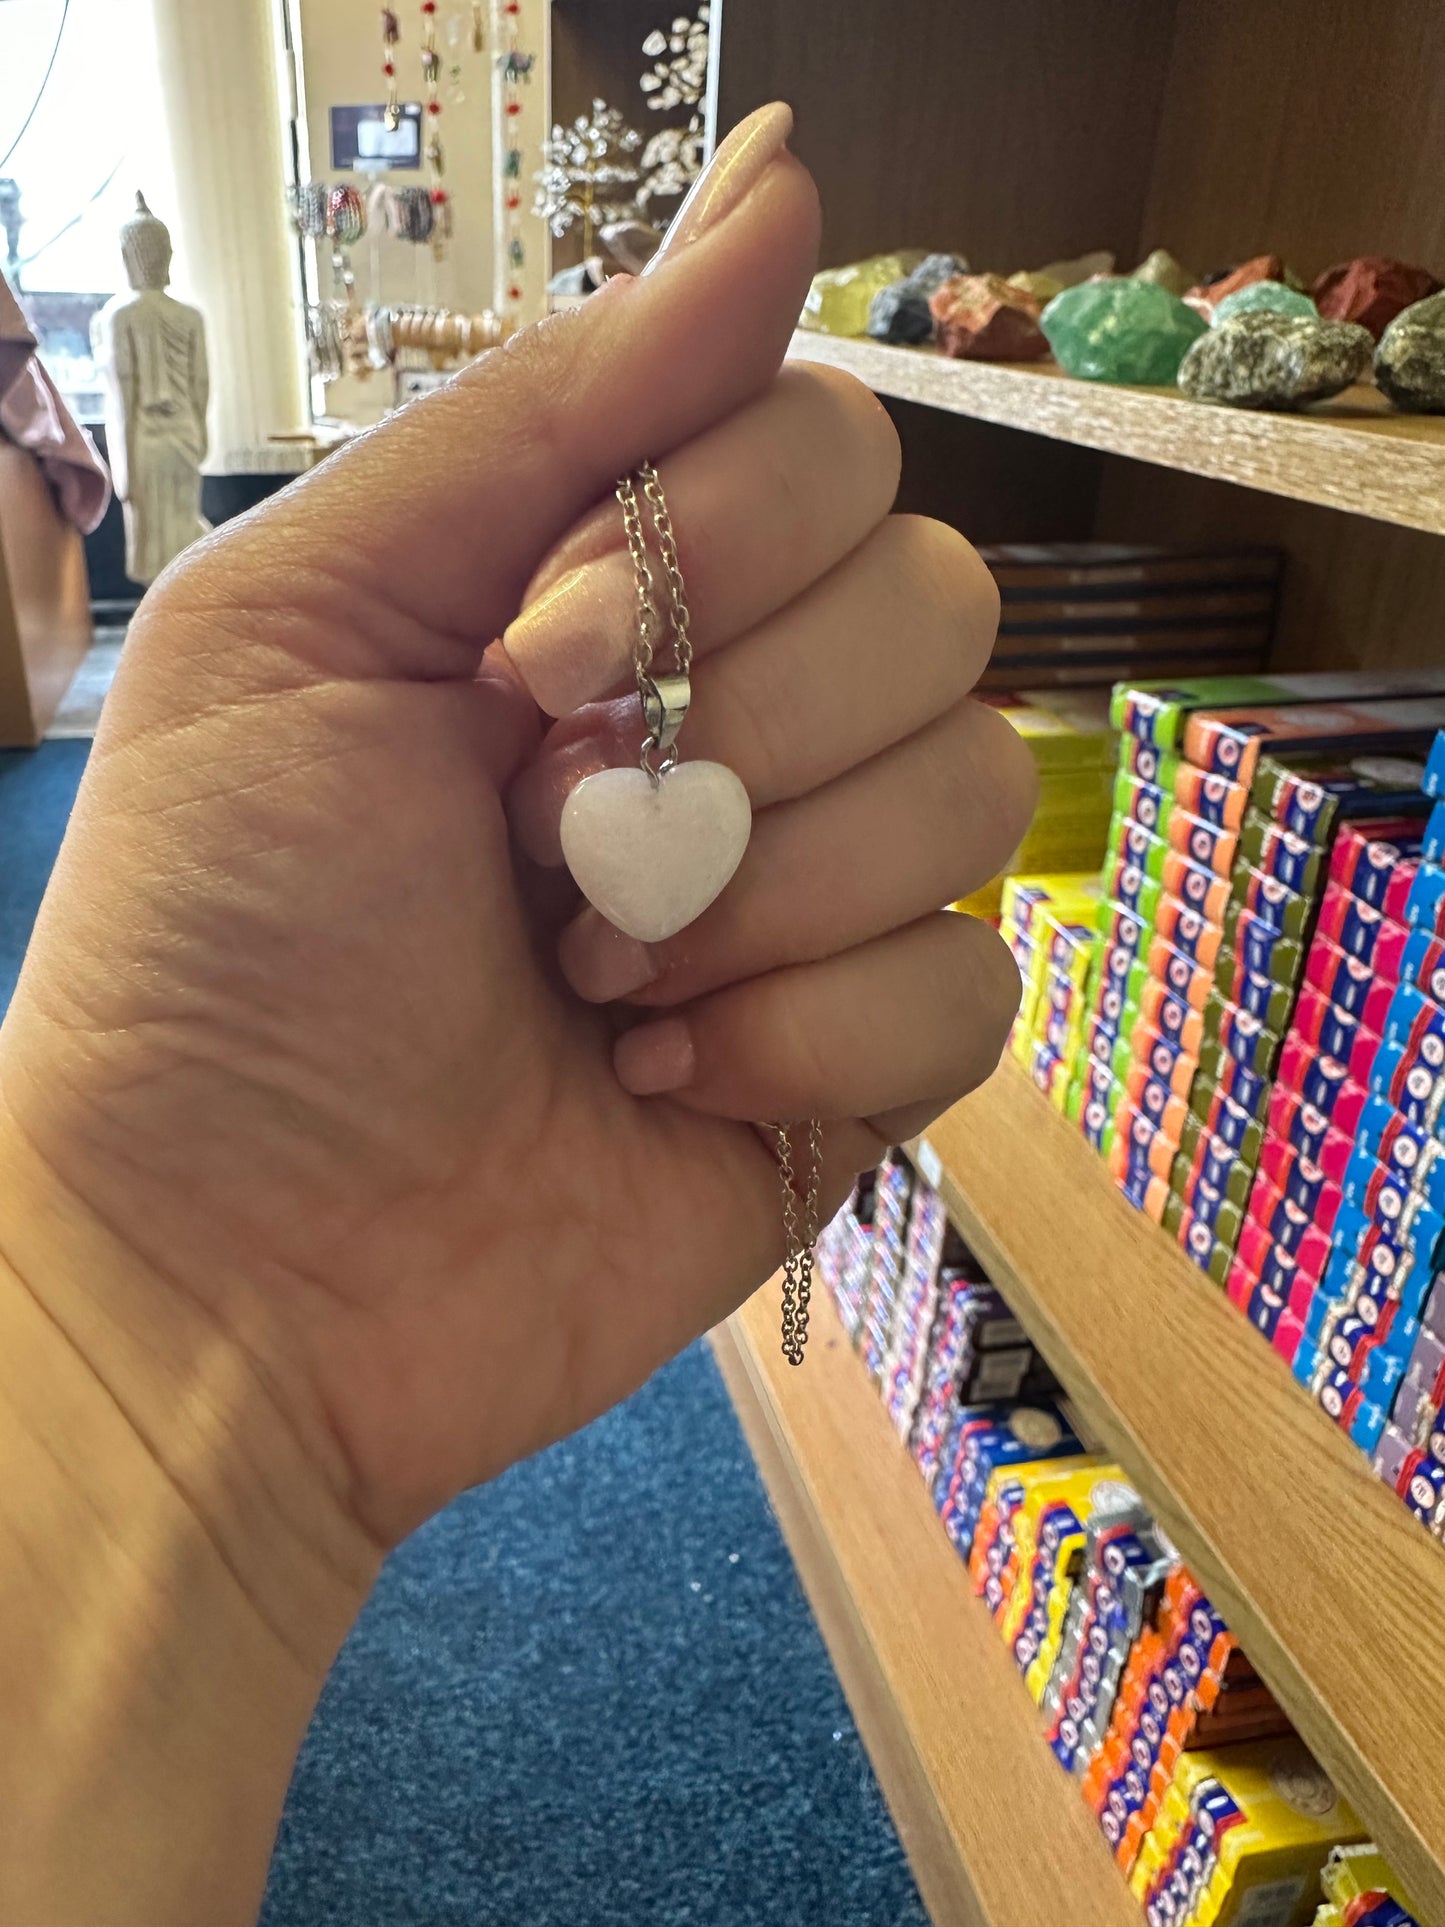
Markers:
point(80, 131)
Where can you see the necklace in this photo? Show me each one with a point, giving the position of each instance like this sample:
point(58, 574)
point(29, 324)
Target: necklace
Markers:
point(652, 847)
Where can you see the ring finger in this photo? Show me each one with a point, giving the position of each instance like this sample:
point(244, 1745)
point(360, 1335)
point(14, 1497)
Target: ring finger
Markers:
point(796, 898)
point(893, 637)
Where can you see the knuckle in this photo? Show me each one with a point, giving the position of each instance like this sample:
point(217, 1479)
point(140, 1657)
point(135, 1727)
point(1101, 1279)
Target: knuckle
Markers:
point(949, 580)
point(868, 427)
point(1005, 766)
point(987, 989)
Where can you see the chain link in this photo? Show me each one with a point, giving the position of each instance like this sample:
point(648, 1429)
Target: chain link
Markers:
point(667, 546)
point(647, 613)
point(800, 1190)
point(656, 614)
point(799, 1238)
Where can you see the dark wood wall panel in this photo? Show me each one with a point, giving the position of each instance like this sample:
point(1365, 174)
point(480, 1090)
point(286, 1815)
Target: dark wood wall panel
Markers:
point(597, 55)
point(1015, 131)
point(1314, 128)
point(1357, 593)
point(993, 483)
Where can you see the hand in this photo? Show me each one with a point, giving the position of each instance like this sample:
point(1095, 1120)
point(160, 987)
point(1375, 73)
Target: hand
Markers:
point(292, 1029)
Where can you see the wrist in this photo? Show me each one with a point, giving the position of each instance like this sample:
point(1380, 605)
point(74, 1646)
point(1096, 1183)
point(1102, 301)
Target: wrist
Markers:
point(175, 1579)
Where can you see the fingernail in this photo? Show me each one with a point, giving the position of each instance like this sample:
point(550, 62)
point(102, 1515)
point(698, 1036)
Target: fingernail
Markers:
point(727, 177)
point(575, 643)
point(601, 962)
point(654, 1058)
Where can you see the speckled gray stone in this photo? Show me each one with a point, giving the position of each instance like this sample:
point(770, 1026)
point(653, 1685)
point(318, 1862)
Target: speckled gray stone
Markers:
point(900, 312)
point(934, 269)
point(1410, 360)
point(1269, 360)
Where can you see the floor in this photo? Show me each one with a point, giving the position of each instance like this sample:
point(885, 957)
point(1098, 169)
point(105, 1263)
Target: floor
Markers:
point(589, 1694)
point(79, 710)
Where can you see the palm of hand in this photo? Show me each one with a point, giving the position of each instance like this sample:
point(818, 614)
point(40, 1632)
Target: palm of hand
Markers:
point(326, 1061)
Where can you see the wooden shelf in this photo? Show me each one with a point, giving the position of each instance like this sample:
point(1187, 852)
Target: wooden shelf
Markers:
point(997, 1835)
point(1336, 1593)
point(1352, 453)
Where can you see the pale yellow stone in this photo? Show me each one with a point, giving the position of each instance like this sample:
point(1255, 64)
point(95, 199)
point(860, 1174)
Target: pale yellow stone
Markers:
point(839, 299)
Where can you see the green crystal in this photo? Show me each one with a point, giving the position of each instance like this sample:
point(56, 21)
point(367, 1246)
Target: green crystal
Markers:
point(1120, 330)
point(839, 299)
point(1273, 295)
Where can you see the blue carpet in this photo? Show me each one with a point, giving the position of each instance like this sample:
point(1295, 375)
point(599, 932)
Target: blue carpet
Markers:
point(587, 1695)
point(37, 788)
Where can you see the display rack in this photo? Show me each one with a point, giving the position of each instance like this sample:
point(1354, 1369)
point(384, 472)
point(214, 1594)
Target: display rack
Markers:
point(1353, 453)
point(1018, 135)
point(996, 1834)
point(1335, 1592)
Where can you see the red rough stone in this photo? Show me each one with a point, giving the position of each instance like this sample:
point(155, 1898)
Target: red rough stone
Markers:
point(982, 317)
point(1372, 289)
point(1260, 267)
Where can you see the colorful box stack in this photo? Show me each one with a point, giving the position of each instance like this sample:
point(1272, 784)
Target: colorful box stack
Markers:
point(977, 1353)
point(1185, 1685)
point(1212, 1807)
point(1070, 737)
point(1316, 1112)
point(1361, 1890)
point(1146, 882)
point(1242, 1836)
point(1298, 804)
point(1048, 923)
point(1166, 868)
point(843, 1255)
point(893, 1195)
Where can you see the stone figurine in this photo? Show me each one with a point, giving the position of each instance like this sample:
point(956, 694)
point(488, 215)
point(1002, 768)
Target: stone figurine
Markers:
point(151, 350)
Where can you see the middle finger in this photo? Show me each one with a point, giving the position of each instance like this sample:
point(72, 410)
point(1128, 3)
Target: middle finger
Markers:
point(890, 639)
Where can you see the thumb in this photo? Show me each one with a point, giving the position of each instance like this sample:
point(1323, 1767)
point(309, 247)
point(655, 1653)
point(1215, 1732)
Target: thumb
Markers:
point(430, 526)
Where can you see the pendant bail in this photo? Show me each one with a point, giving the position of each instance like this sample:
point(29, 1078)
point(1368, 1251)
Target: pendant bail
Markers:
point(664, 708)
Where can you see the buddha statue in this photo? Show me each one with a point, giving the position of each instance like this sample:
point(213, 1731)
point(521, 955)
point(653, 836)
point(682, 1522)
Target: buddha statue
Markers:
point(151, 351)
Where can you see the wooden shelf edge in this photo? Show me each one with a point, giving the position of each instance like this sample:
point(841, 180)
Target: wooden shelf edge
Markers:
point(1387, 467)
point(1336, 1593)
point(996, 1834)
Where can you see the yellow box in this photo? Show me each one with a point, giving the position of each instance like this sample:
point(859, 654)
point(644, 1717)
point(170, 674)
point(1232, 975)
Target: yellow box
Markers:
point(1268, 1855)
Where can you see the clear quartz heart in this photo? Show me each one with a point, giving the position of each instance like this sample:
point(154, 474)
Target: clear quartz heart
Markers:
point(652, 859)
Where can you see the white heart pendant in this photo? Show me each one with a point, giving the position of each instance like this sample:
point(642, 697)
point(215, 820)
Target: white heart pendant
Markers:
point(651, 857)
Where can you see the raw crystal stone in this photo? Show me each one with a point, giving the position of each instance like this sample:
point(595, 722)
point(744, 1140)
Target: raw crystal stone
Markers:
point(1271, 360)
point(934, 269)
point(1083, 267)
point(1273, 295)
point(1372, 289)
point(1042, 287)
point(1208, 293)
point(1120, 330)
point(900, 311)
point(983, 318)
point(839, 299)
point(1410, 360)
point(1163, 271)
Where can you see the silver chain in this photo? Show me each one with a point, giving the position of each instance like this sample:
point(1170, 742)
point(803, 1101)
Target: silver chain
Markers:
point(799, 1236)
point(664, 695)
point(665, 698)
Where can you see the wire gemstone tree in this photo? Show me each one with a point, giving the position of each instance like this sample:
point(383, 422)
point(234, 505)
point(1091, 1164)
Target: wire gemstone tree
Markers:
point(672, 159)
point(585, 170)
